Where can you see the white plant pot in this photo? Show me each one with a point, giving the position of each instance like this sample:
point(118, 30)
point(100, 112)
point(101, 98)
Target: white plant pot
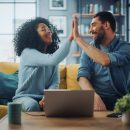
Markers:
point(126, 118)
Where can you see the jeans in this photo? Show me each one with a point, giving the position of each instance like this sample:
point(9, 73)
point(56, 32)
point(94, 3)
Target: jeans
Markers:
point(28, 104)
point(110, 102)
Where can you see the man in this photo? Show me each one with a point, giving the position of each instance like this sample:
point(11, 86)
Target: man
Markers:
point(105, 63)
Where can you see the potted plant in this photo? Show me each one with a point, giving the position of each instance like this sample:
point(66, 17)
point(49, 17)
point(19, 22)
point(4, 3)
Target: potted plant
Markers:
point(123, 106)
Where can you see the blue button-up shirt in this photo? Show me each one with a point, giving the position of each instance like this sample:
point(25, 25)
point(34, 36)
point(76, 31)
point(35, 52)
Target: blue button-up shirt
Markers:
point(117, 74)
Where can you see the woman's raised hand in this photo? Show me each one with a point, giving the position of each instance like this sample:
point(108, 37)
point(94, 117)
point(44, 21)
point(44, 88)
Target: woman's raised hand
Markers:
point(75, 28)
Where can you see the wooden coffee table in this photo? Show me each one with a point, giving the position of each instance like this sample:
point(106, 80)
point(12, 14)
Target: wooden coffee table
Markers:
point(98, 122)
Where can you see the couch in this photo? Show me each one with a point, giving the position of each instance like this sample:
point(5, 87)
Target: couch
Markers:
point(68, 75)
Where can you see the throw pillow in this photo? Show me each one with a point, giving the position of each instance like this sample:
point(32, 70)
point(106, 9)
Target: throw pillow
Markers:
point(8, 86)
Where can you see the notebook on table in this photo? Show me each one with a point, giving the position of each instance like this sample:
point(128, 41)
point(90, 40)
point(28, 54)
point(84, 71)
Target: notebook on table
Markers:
point(69, 103)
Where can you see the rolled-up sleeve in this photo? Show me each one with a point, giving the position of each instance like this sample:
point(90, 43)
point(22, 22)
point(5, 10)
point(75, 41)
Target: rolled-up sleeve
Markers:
point(85, 67)
point(121, 56)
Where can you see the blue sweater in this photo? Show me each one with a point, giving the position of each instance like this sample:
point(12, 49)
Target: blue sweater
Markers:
point(39, 71)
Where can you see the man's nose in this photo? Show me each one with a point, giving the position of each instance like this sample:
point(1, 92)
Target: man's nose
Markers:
point(90, 30)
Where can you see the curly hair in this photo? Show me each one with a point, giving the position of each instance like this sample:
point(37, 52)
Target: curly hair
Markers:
point(27, 37)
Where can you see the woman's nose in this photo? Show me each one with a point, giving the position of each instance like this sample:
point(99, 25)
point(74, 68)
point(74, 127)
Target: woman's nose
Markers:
point(48, 30)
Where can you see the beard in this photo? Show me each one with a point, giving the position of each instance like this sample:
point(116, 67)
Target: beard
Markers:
point(98, 40)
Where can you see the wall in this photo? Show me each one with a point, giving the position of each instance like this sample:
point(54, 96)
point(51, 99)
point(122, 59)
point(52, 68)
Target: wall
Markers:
point(45, 12)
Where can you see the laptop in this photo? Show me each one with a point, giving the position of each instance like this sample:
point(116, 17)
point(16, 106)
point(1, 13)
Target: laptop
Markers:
point(69, 103)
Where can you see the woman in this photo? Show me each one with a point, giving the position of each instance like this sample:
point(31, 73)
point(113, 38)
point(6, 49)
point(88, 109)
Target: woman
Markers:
point(36, 42)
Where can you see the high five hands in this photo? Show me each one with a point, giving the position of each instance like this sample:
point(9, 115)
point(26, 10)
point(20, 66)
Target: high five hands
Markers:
point(74, 29)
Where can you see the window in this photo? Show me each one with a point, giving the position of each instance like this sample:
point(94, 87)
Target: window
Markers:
point(12, 14)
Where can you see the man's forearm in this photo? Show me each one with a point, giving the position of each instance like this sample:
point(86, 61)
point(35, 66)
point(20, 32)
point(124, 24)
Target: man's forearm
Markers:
point(94, 53)
point(85, 84)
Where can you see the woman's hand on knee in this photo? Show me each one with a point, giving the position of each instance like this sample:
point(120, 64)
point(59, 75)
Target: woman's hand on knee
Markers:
point(41, 103)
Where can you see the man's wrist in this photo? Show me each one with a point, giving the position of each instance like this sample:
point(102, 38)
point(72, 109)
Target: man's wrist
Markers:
point(76, 38)
point(43, 98)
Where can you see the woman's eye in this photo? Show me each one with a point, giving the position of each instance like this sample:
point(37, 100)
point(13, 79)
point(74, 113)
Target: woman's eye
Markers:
point(43, 30)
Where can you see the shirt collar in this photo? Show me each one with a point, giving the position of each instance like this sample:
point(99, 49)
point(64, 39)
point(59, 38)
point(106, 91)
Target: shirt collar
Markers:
point(112, 45)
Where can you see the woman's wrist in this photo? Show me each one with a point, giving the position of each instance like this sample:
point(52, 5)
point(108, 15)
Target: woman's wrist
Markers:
point(70, 38)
